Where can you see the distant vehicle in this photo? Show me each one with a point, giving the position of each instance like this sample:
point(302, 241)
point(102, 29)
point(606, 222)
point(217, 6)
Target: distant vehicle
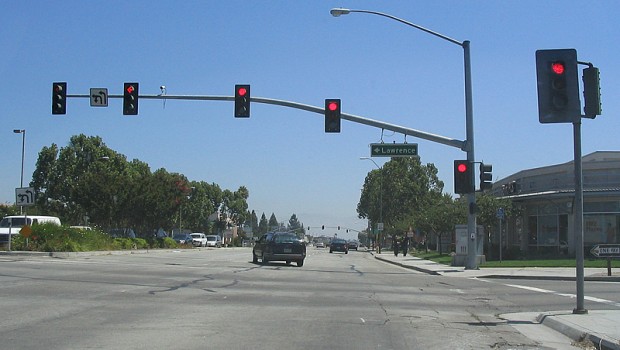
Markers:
point(184, 238)
point(339, 245)
point(199, 239)
point(319, 245)
point(353, 245)
point(279, 246)
point(214, 241)
point(83, 228)
point(16, 222)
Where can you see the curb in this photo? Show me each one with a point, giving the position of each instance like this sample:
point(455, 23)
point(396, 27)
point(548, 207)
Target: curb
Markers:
point(575, 333)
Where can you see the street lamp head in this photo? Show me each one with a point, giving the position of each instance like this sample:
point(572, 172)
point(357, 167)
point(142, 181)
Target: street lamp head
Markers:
point(18, 131)
point(364, 158)
point(336, 12)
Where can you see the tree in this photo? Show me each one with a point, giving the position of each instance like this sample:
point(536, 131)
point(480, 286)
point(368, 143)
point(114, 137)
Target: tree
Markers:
point(263, 225)
point(273, 222)
point(402, 187)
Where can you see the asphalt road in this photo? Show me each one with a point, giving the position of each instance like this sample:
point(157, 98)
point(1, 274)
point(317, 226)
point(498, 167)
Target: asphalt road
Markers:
point(219, 299)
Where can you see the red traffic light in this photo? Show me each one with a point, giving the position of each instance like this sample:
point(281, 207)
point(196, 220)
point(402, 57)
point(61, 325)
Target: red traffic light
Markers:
point(242, 91)
point(130, 89)
point(461, 167)
point(332, 106)
point(558, 68)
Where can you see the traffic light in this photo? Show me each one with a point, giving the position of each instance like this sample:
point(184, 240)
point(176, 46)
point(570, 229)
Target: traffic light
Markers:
point(130, 99)
point(592, 92)
point(463, 177)
point(242, 101)
point(558, 86)
point(486, 177)
point(332, 115)
point(59, 98)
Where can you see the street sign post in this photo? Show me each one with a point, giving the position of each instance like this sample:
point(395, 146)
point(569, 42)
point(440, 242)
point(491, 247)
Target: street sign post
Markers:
point(394, 150)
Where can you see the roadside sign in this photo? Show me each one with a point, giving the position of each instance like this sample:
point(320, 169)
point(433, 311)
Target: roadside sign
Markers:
point(606, 250)
point(26, 231)
point(98, 97)
point(24, 196)
point(500, 213)
point(394, 150)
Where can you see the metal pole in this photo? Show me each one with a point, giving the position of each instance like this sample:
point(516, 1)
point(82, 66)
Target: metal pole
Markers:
point(472, 246)
point(578, 222)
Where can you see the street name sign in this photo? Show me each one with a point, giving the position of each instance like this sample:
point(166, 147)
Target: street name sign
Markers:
point(606, 251)
point(394, 150)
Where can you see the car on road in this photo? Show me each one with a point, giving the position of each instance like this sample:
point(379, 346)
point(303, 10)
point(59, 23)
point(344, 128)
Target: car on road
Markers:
point(353, 245)
point(279, 246)
point(184, 238)
point(319, 245)
point(339, 245)
point(214, 241)
point(199, 239)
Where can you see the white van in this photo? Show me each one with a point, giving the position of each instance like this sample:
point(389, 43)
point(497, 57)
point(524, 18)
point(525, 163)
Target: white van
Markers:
point(16, 222)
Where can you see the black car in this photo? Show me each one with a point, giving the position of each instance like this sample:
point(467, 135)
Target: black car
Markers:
point(279, 246)
point(339, 245)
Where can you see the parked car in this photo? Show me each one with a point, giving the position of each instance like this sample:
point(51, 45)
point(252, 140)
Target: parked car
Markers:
point(214, 241)
point(184, 238)
point(339, 245)
point(279, 246)
point(353, 245)
point(199, 239)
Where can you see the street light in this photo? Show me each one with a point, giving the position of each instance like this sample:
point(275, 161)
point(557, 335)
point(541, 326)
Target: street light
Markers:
point(21, 180)
point(380, 203)
point(472, 245)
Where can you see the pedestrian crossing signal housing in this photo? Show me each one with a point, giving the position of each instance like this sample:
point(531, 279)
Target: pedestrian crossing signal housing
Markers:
point(332, 115)
point(130, 98)
point(242, 101)
point(463, 177)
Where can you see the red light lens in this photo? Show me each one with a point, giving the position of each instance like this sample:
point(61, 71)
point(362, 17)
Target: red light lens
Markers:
point(130, 89)
point(558, 68)
point(332, 106)
point(242, 91)
point(461, 168)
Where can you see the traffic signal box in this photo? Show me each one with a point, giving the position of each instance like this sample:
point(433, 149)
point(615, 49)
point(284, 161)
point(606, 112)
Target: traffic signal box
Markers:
point(463, 177)
point(592, 92)
point(332, 115)
point(486, 177)
point(59, 98)
point(558, 86)
point(130, 98)
point(242, 101)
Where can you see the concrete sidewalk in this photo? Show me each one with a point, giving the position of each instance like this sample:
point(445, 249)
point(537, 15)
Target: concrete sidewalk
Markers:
point(601, 327)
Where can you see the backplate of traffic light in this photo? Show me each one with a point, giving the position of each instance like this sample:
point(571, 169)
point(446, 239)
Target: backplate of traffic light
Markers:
point(486, 177)
point(242, 101)
point(59, 98)
point(130, 98)
point(332, 115)
point(558, 86)
point(463, 177)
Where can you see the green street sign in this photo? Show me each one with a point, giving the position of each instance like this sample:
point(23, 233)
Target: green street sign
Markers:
point(394, 150)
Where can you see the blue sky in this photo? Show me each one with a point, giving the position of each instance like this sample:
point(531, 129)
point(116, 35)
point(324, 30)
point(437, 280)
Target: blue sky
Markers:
point(296, 51)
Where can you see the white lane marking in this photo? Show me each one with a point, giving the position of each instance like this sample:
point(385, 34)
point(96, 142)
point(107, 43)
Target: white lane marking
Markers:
point(572, 296)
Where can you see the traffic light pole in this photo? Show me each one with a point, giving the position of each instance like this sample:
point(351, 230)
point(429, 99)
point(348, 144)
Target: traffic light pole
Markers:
point(319, 110)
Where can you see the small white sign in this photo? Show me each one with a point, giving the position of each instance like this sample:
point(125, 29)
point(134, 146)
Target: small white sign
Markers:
point(24, 196)
point(98, 97)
